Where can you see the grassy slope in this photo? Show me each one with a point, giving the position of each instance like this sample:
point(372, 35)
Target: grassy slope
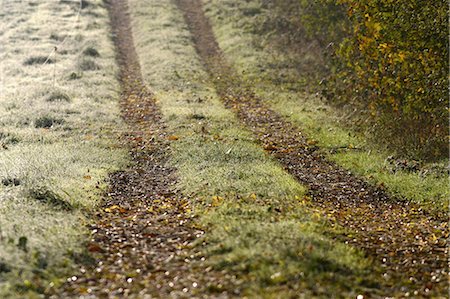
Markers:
point(273, 78)
point(57, 123)
point(257, 220)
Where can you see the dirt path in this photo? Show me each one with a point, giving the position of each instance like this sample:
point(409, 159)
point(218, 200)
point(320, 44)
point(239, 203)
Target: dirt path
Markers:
point(409, 243)
point(140, 238)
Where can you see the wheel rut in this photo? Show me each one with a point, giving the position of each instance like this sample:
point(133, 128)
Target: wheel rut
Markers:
point(140, 241)
point(408, 243)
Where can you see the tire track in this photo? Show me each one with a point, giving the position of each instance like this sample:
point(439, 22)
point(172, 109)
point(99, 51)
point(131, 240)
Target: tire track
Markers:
point(408, 243)
point(140, 240)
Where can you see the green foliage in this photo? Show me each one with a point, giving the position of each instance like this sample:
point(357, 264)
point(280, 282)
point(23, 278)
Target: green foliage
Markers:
point(389, 58)
point(258, 224)
point(395, 58)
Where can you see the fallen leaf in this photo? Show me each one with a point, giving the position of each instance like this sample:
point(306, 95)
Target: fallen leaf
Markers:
point(270, 147)
point(94, 247)
point(173, 138)
point(115, 208)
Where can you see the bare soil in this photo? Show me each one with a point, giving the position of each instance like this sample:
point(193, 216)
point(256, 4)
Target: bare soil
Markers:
point(407, 243)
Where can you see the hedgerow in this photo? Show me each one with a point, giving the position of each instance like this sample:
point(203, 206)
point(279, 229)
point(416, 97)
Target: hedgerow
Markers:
point(388, 57)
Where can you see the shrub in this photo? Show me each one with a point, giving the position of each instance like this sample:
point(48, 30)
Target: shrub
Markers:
point(397, 58)
point(389, 58)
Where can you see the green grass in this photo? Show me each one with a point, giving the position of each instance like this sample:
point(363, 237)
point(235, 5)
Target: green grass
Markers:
point(321, 123)
point(257, 220)
point(217, 155)
point(57, 139)
point(273, 77)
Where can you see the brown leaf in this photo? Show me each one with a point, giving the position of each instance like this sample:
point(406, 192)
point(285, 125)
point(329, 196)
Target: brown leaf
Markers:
point(270, 147)
point(94, 247)
point(173, 138)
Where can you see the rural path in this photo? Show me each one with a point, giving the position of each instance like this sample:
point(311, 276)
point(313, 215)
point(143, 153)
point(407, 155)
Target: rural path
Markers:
point(409, 242)
point(140, 238)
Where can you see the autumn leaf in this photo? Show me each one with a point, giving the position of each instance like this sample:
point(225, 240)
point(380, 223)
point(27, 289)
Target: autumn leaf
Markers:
point(173, 138)
point(115, 208)
point(94, 247)
point(270, 147)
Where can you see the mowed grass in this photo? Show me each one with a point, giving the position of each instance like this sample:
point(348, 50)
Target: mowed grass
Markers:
point(257, 221)
point(58, 126)
point(274, 77)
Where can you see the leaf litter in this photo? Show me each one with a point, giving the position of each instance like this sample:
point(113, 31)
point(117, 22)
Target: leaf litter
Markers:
point(407, 243)
point(141, 239)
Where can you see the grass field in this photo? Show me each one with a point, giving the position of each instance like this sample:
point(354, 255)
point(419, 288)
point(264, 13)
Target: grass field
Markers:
point(256, 218)
point(60, 124)
point(274, 78)
point(59, 120)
